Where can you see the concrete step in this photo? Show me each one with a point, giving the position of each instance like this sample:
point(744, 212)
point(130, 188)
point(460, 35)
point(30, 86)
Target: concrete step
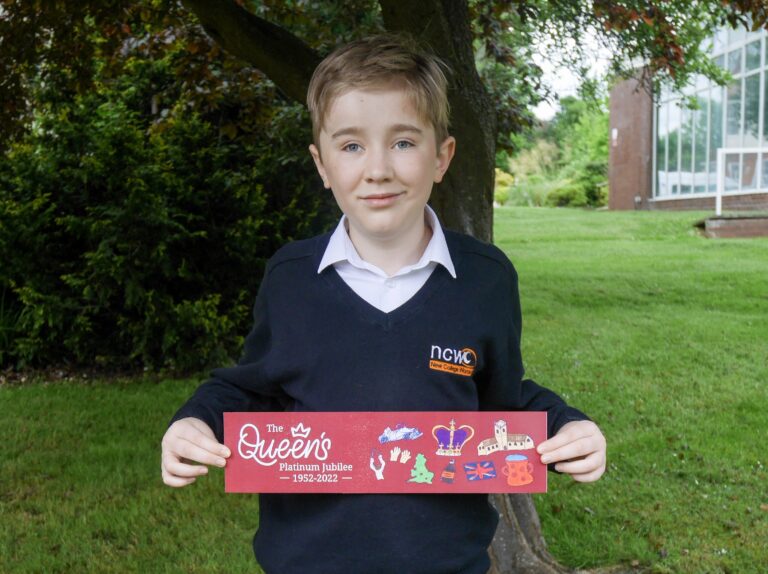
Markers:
point(734, 226)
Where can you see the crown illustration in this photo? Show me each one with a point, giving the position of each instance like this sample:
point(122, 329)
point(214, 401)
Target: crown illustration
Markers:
point(450, 440)
point(300, 431)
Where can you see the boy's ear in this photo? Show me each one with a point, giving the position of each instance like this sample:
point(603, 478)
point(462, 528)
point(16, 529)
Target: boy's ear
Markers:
point(315, 153)
point(444, 157)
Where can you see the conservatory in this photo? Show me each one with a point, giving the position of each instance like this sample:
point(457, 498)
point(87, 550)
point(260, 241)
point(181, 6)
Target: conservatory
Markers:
point(733, 119)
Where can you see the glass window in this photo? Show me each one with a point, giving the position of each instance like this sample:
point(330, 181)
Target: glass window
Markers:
point(661, 150)
point(765, 171)
point(732, 171)
point(737, 35)
point(721, 39)
point(720, 61)
point(753, 56)
point(715, 131)
point(749, 171)
point(733, 115)
point(734, 61)
point(686, 152)
point(765, 107)
point(700, 144)
point(752, 111)
point(673, 141)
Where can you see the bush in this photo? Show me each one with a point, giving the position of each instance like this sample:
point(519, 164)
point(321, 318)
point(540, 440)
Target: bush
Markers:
point(531, 191)
point(568, 195)
point(128, 246)
point(502, 184)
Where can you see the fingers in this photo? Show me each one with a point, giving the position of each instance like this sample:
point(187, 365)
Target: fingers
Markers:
point(175, 467)
point(176, 482)
point(596, 468)
point(578, 449)
point(184, 478)
point(190, 451)
point(587, 469)
point(189, 440)
point(200, 434)
point(590, 476)
point(568, 433)
point(577, 438)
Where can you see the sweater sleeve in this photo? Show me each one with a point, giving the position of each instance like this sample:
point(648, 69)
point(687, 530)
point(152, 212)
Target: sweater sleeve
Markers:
point(244, 387)
point(507, 388)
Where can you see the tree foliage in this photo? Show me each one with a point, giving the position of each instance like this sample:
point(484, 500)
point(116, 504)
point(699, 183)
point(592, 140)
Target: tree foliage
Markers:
point(55, 43)
point(101, 102)
point(149, 203)
point(565, 162)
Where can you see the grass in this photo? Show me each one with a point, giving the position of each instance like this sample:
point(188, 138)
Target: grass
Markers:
point(659, 334)
point(80, 487)
point(662, 337)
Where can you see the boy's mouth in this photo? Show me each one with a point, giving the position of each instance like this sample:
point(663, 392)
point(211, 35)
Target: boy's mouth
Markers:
point(380, 199)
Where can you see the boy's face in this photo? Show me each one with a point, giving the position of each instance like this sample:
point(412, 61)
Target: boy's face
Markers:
point(380, 159)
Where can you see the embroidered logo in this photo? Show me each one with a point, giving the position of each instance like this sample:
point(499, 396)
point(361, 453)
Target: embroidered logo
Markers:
point(456, 361)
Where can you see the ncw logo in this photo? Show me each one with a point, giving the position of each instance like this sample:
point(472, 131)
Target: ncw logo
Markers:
point(457, 361)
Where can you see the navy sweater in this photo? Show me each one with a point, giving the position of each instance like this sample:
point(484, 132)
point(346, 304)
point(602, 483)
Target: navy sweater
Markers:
point(317, 346)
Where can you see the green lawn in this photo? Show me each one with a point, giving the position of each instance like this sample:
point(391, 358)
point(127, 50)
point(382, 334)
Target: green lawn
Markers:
point(662, 337)
point(659, 334)
point(80, 487)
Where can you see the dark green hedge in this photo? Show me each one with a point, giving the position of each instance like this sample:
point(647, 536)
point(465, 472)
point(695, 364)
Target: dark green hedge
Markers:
point(127, 244)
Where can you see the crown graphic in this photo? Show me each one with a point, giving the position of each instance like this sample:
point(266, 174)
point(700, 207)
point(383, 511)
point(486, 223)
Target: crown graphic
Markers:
point(450, 440)
point(300, 431)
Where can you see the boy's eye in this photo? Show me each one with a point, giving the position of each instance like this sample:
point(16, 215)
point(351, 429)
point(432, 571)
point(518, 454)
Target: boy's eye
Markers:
point(403, 144)
point(353, 147)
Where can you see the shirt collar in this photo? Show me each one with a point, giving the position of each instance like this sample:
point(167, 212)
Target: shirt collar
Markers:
point(340, 248)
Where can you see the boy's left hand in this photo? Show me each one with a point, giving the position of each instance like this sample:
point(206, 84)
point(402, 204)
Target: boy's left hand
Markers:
point(581, 446)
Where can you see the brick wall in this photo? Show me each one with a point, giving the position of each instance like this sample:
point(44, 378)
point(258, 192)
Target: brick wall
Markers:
point(630, 161)
point(752, 202)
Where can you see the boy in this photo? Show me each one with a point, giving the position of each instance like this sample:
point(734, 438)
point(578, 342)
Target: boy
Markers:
point(345, 322)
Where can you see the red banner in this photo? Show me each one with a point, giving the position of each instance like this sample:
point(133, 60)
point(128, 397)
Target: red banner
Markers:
point(385, 452)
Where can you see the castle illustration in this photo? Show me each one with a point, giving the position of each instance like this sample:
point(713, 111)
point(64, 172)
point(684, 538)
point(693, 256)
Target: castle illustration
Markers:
point(504, 441)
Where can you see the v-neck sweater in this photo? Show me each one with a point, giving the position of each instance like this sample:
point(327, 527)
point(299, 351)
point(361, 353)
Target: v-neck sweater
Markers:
point(317, 346)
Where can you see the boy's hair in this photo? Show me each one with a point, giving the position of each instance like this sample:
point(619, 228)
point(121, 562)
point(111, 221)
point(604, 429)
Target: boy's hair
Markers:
point(381, 61)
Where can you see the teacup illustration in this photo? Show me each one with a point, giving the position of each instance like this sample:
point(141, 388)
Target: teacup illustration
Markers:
point(518, 470)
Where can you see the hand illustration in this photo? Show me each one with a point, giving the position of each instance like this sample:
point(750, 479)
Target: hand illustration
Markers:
point(405, 457)
point(378, 471)
point(394, 453)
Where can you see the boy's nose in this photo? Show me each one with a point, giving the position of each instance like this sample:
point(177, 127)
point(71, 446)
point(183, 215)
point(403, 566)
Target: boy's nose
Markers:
point(377, 166)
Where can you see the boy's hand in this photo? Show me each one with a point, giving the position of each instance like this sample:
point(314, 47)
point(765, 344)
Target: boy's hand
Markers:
point(581, 445)
point(189, 440)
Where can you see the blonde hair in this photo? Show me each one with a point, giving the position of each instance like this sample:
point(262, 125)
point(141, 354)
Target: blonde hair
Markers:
point(381, 61)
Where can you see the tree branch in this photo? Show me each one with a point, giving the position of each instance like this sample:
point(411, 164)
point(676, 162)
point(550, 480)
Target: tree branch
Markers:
point(283, 57)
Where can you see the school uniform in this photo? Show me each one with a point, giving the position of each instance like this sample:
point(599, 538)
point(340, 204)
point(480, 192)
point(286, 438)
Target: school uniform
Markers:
point(333, 333)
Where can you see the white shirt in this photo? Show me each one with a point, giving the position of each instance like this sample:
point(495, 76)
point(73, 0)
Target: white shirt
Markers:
point(384, 292)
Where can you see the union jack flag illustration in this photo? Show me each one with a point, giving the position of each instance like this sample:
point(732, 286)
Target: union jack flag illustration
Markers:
point(480, 470)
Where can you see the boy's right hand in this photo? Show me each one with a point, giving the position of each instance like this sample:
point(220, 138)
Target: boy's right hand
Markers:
point(190, 440)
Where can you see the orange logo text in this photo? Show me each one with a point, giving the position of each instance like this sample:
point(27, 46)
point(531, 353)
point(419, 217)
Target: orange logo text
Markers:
point(456, 361)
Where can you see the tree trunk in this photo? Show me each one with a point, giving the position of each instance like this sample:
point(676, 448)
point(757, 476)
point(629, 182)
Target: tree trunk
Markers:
point(464, 200)
point(519, 547)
